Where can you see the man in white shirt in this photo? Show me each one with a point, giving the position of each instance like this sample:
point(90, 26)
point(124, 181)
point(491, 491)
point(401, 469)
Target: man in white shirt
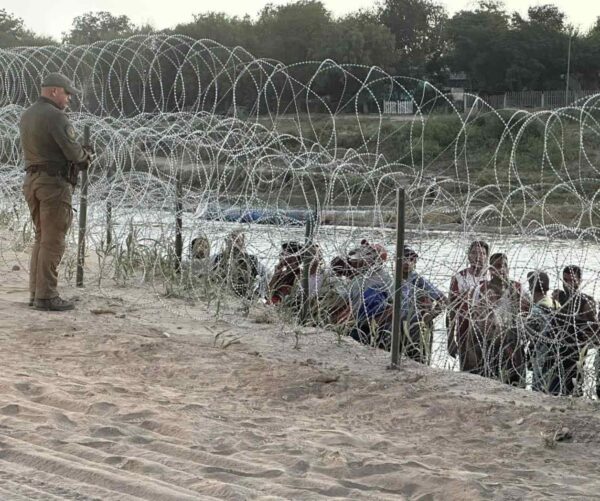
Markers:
point(461, 285)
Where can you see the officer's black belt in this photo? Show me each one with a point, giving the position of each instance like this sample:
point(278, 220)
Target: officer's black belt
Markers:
point(52, 170)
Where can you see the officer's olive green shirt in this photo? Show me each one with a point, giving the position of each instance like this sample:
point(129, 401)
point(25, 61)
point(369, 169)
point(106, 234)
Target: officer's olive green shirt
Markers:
point(47, 136)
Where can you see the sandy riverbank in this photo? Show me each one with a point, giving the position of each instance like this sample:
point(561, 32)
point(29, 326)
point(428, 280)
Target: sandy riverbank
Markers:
point(128, 399)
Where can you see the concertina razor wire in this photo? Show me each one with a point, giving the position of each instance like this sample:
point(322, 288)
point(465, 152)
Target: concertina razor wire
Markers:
point(245, 150)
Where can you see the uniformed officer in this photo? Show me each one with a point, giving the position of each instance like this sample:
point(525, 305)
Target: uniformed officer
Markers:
point(51, 151)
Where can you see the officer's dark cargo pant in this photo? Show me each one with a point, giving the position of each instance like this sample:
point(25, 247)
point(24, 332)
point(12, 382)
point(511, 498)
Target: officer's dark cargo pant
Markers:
point(49, 199)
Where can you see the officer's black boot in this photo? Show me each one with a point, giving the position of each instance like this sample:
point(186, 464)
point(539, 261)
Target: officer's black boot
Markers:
point(53, 304)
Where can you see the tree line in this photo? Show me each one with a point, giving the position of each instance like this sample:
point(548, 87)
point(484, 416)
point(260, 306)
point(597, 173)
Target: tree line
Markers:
point(496, 50)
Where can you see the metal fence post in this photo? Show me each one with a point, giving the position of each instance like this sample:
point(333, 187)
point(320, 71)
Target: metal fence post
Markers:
point(311, 220)
point(82, 215)
point(109, 212)
point(178, 224)
point(397, 339)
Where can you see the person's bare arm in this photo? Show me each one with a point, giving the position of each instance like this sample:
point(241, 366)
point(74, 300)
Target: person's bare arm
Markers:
point(451, 314)
point(437, 308)
point(453, 302)
point(590, 316)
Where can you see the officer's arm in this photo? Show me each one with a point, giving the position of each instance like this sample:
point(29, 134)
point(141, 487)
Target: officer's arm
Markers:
point(64, 134)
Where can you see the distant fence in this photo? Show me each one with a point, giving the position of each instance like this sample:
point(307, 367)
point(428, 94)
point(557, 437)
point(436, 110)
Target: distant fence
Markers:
point(398, 107)
point(532, 99)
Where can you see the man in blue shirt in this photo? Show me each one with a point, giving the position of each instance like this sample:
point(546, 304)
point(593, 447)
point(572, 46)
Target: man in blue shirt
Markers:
point(422, 302)
point(371, 300)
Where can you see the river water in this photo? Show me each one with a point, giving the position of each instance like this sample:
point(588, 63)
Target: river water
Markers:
point(441, 253)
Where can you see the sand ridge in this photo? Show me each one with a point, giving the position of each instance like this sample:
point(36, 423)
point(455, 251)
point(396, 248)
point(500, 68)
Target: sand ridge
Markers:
point(126, 400)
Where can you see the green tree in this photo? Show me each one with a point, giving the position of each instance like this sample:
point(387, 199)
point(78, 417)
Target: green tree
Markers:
point(228, 30)
point(418, 26)
point(585, 57)
point(539, 50)
point(479, 45)
point(501, 52)
point(95, 26)
point(292, 33)
point(360, 41)
point(548, 16)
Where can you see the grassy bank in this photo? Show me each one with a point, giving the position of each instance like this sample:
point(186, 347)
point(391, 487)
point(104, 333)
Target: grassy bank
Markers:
point(540, 167)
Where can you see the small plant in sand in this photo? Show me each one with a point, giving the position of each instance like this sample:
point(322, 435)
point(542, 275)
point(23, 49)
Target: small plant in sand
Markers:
point(126, 257)
point(24, 238)
point(340, 332)
point(152, 257)
point(297, 333)
point(223, 341)
point(69, 265)
point(104, 252)
point(6, 218)
point(263, 317)
point(559, 434)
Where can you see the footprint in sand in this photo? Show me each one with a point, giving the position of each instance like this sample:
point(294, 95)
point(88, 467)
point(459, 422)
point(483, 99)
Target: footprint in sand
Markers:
point(194, 407)
point(29, 389)
point(300, 468)
point(132, 417)
point(239, 473)
point(10, 410)
point(248, 424)
point(107, 431)
point(63, 421)
point(112, 387)
point(102, 409)
point(140, 440)
point(97, 444)
point(138, 466)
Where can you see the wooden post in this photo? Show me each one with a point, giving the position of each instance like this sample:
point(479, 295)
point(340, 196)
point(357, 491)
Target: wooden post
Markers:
point(397, 338)
point(311, 219)
point(82, 215)
point(178, 224)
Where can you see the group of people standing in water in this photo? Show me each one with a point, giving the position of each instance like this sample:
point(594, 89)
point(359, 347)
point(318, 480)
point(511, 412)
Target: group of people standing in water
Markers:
point(498, 330)
point(495, 328)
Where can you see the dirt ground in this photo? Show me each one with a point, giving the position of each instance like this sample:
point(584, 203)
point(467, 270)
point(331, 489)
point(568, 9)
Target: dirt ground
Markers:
point(130, 397)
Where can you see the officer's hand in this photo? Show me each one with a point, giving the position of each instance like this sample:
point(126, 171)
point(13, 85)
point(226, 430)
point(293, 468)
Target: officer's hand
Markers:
point(89, 158)
point(84, 164)
point(91, 154)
